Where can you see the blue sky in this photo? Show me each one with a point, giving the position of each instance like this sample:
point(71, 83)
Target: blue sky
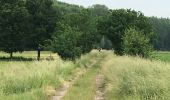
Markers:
point(160, 8)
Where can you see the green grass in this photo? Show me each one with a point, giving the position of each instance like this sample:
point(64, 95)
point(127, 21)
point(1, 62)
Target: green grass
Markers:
point(84, 88)
point(21, 78)
point(33, 80)
point(126, 78)
point(133, 78)
point(163, 56)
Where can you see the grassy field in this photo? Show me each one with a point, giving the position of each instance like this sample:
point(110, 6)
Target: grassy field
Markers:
point(20, 80)
point(33, 80)
point(133, 78)
point(126, 78)
point(163, 56)
point(84, 87)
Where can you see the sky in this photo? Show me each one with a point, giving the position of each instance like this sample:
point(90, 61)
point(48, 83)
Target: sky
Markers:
point(159, 8)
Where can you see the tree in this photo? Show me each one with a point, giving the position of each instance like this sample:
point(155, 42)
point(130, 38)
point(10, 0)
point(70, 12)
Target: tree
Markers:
point(43, 19)
point(13, 18)
point(78, 38)
point(89, 37)
point(161, 28)
point(65, 43)
point(114, 24)
point(66, 8)
point(136, 43)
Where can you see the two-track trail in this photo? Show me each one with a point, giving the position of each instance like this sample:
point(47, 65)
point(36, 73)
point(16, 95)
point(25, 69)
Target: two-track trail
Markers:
point(99, 87)
point(87, 85)
point(67, 85)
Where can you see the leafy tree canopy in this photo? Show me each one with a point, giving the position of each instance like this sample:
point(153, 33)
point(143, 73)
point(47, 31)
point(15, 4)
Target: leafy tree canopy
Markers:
point(43, 19)
point(13, 17)
point(117, 21)
point(136, 43)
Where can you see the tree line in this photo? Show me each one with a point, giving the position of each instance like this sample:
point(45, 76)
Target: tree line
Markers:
point(72, 30)
point(161, 27)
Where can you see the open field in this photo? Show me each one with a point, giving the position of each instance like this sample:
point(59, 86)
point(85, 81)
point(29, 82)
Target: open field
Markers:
point(30, 80)
point(125, 78)
point(33, 80)
point(133, 78)
point(163, 56)
point(84, 50)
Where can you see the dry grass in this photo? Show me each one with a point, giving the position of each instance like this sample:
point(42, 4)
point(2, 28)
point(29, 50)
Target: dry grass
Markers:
point(133, 78)
point(33, 80)
point(127, 78)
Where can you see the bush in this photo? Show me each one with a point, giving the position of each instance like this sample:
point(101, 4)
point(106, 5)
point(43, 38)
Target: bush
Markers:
point(136, 43)
point(66, 44)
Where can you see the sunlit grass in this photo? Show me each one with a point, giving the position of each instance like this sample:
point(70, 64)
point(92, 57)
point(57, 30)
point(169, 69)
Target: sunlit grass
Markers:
point(163, 56)
point(127, 78)
point(133, 78)
point(84, 88)
point(27, 77)
point(37, 80)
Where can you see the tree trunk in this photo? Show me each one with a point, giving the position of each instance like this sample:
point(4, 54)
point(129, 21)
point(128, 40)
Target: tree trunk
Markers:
point(11, 55)
point(38, 57)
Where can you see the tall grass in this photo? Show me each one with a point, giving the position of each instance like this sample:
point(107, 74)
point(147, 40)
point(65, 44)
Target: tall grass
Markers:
point(17, 78)
point(33, 80)
point(133, 78)
point(84, 87)
point(127, 78)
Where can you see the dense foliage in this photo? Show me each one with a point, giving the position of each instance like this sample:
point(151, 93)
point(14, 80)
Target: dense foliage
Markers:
point(76, 32)
point(136, 43)
point(105, 43)
point(161, 27)
point(13, 17)
point(42, 21)
point(72, 30)
point(114, 25)
point(66, 44)
point(25, 24)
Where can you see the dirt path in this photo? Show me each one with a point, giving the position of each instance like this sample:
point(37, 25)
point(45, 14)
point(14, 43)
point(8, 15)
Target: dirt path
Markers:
point(61, 92)
point(99, 87)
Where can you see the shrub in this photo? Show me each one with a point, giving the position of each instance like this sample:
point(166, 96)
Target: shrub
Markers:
point(66, 44)
point(136, 43)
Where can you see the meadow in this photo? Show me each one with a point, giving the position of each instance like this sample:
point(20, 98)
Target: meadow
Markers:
point(125, 77)
point(162, 56)
point(36, 80)
point(134, 78)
